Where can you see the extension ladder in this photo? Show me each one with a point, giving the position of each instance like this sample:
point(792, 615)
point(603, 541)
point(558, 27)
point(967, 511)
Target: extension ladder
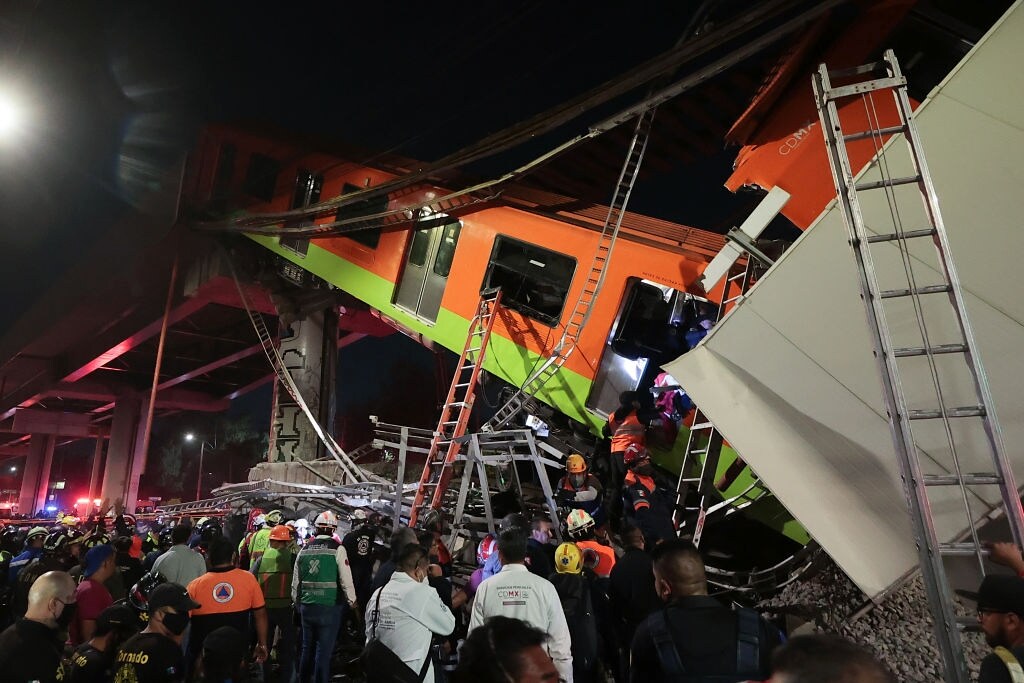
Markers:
point(951, 425)
point(704, 444)
point(592, 285)
point(445, 446)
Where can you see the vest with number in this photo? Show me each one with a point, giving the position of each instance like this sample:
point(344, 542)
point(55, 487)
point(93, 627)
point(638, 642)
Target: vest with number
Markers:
point(275, 577)
point(318, 572)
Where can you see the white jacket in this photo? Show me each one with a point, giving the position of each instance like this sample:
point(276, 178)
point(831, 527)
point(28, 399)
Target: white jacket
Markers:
point(409, 613)
point(515, 592)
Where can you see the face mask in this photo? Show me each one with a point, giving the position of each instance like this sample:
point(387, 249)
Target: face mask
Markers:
point(66, 614)
point(577, 480)
point(541, 536)
point(176, 623)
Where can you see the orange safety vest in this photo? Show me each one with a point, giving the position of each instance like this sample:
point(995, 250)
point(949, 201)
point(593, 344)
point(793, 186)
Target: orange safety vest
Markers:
point(605, 555)
point(629, 431)
point(632, 480)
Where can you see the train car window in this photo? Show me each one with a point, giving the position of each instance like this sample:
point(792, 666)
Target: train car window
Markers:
point(420, 245)
point(641, 332)
point(533, 280)
point(369, 237)
point(446, 250)
point(261, 177)
point(307, 191)
point(223, 174)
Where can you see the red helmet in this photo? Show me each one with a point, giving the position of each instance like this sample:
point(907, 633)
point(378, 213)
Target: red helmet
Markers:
point(486, 549)
point(634, 453)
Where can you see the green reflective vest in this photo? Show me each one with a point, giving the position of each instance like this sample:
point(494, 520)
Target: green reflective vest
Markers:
point(258, 545)
point(275, 577)
point(318, 572)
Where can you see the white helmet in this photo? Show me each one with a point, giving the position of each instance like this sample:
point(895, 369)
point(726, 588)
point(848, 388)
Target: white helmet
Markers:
point(326, 519)
point(259, 521)
point(359, 514)
point(578, 522)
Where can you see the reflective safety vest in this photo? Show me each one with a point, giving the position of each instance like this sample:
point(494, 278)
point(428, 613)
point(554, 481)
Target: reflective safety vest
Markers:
point(258, 545)
point(626, 433)
point(605, 557)
point(318, 572)
point(274, 574)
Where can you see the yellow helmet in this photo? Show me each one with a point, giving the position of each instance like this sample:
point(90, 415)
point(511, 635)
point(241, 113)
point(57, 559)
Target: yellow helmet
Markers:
point(568, 559)
point(575, 464)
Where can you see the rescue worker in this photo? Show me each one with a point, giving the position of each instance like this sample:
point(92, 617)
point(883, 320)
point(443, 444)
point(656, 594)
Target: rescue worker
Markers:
point(56, 557)
point(627, 426)
point(574, 592)
point(273, 570)
point(484, 550)
point(646, 506)
point(257, 523)
point(33, 550)
point(322, 589)
point(515, 592)
point(155, 655)
point(631, 593)
point(229, 597)
point(260, 540)
point(164, 544)
point(359, 544)
point(1000, 601)
point(406, 613)
point(695, 633)
point(31, 649)
point(581, 529)
point(581, 489)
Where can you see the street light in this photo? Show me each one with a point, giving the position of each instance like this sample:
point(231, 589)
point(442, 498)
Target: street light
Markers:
point(190, 437)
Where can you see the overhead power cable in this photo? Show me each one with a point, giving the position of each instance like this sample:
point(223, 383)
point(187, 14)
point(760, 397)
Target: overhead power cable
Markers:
point(268, 224)
point(758, 18)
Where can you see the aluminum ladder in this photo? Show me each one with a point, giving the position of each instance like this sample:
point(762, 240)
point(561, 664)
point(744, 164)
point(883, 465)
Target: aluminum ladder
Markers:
point(704, 444)
point(583, 307)
point(445, 446)
point(939, 416)
point(490, 449)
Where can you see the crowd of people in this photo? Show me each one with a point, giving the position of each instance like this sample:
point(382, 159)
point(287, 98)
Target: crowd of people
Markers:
point(279, 598)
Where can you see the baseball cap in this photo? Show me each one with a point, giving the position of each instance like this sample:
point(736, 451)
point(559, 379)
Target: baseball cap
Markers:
point(95, 558)
point(118, 617)
point(998, 593)
point(171, 595)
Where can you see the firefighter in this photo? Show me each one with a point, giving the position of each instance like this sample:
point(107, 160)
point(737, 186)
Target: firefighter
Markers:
point(645, 505)
point(260, 540)
point(579, 489)
point(57, 557)
point(581, 529)
point(627, 426)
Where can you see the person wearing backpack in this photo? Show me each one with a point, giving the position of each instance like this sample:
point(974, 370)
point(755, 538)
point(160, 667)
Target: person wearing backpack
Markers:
point(694, 638)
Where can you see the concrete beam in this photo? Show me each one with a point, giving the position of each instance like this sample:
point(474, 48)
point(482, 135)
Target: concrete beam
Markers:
point(35, 479)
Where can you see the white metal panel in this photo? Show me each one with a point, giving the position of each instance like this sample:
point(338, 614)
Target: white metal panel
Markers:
point(789, 377)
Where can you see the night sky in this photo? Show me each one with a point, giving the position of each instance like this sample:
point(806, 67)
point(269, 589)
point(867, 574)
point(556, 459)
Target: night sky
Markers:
point(116, 92)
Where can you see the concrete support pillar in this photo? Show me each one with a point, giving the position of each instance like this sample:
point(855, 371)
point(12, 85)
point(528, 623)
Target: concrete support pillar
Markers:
point(94, 476)
point(125, 459)
point(35, 481)
point(310, 350)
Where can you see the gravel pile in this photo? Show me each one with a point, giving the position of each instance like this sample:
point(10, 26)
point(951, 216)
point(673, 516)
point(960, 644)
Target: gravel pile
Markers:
point(898, 630)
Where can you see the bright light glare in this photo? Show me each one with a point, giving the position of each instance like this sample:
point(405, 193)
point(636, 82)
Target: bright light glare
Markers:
point(10, 114)
point(13, 468)
point(190, 436)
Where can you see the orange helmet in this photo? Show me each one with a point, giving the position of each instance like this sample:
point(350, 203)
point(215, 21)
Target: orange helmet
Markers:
point(280, 533)
point(575, 464)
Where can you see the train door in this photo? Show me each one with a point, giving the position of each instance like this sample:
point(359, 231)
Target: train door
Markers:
point(427, 264)
point(655, 324)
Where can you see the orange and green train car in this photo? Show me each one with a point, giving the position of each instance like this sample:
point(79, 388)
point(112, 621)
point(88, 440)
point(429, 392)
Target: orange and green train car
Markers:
point(427, 281)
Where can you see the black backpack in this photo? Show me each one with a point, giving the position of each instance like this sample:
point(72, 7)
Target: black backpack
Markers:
point(748, 650)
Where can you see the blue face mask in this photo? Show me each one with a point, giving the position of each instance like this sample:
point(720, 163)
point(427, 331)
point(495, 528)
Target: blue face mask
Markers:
point(541, 536)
